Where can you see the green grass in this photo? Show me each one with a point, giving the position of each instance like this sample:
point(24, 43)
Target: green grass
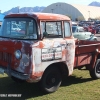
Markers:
point(79, 86)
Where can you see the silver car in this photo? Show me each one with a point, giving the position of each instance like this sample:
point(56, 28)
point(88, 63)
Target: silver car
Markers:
point(81, 34)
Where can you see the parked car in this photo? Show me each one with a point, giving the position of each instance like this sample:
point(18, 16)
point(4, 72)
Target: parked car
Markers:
point(80, 33)
point(97, 28)
point(74, 23)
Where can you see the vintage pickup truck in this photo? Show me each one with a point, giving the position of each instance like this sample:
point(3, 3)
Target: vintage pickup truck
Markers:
point(43, 49)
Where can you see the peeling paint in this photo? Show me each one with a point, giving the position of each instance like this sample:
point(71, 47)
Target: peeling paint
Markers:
point(24, 62)
point(67, 54)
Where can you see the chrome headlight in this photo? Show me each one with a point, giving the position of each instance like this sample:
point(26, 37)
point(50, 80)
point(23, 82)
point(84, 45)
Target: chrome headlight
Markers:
point(18, 54)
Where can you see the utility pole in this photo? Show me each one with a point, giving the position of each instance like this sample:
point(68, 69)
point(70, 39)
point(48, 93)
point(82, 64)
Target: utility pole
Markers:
point(89, 14)
point(52, 10)
point(18, 8)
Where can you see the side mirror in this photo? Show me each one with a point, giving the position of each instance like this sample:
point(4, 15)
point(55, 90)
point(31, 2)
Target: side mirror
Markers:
point(44, 35)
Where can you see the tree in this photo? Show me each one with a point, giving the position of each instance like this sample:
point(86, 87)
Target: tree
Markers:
point(80, 18)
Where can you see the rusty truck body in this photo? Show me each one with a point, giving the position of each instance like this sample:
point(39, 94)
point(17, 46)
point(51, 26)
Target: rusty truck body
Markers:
point(40, 47)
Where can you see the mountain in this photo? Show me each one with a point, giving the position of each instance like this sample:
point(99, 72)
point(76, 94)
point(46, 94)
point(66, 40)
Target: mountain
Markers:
point(25, 9)
point(39, 9)
point(94, 3)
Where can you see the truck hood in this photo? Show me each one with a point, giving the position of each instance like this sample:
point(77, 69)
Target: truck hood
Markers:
point(6, 45)
point(7, 54)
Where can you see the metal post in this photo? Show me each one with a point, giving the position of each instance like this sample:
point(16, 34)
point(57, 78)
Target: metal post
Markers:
point(52, 10)
point(89, 14)
point(18, 8)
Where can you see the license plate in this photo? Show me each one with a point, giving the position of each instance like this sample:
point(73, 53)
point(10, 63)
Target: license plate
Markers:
point(1, 71)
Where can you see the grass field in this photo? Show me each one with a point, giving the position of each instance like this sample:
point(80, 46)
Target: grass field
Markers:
point(79, 86)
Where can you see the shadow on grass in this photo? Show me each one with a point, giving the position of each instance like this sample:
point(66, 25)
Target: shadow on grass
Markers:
point(27, 90)
point(30, 90)
point(74, 80)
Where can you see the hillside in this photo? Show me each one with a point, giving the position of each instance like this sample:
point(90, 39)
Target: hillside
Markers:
point(24, 9)
point(94, 3)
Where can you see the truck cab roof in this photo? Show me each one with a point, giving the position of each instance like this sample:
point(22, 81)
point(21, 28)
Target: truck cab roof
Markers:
point(40, 16)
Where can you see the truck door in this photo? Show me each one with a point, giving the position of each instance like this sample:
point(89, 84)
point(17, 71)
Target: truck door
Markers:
point(70, 46)
point(58, 43)
point(52, 42)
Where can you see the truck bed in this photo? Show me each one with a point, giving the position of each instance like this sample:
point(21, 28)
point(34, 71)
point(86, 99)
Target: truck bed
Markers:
point(86, 52)
point(84, 46)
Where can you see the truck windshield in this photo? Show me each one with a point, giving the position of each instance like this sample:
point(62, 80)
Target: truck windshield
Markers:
point(19, 28)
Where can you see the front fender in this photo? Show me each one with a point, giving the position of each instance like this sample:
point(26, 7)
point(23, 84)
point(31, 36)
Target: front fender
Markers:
point(92, 37)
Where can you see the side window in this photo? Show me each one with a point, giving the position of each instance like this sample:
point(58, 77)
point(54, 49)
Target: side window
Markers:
point(51, 29)
point(67, 29)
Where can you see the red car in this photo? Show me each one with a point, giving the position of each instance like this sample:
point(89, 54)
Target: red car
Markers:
point(90, 28)
point(98, 28)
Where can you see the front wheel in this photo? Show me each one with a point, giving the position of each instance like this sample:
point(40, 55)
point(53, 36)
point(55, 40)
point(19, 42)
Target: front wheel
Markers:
point(51, 80)
point(95, 39)
point(95, 73)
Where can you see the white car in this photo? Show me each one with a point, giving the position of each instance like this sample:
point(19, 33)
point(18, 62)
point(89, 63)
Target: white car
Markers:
point(81, 34)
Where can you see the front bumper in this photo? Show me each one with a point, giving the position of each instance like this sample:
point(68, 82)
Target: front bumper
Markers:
point(14, 73)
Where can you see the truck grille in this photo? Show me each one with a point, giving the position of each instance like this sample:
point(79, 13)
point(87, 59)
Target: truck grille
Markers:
point(6, 57)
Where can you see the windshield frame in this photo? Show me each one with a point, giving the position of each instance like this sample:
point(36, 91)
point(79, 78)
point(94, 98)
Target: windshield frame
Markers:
point(24, 36)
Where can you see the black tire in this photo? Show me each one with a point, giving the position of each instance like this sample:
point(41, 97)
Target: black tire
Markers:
point(95, 73)
point(51, 80)
point(95, 40)
point(17, 80)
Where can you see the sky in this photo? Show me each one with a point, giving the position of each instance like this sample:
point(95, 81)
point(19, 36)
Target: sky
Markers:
point(6, 5)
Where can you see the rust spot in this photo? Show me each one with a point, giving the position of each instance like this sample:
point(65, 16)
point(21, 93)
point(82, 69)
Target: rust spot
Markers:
point(41, 45)
point(36, 74)
point(35, 77)
point(64, 52)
